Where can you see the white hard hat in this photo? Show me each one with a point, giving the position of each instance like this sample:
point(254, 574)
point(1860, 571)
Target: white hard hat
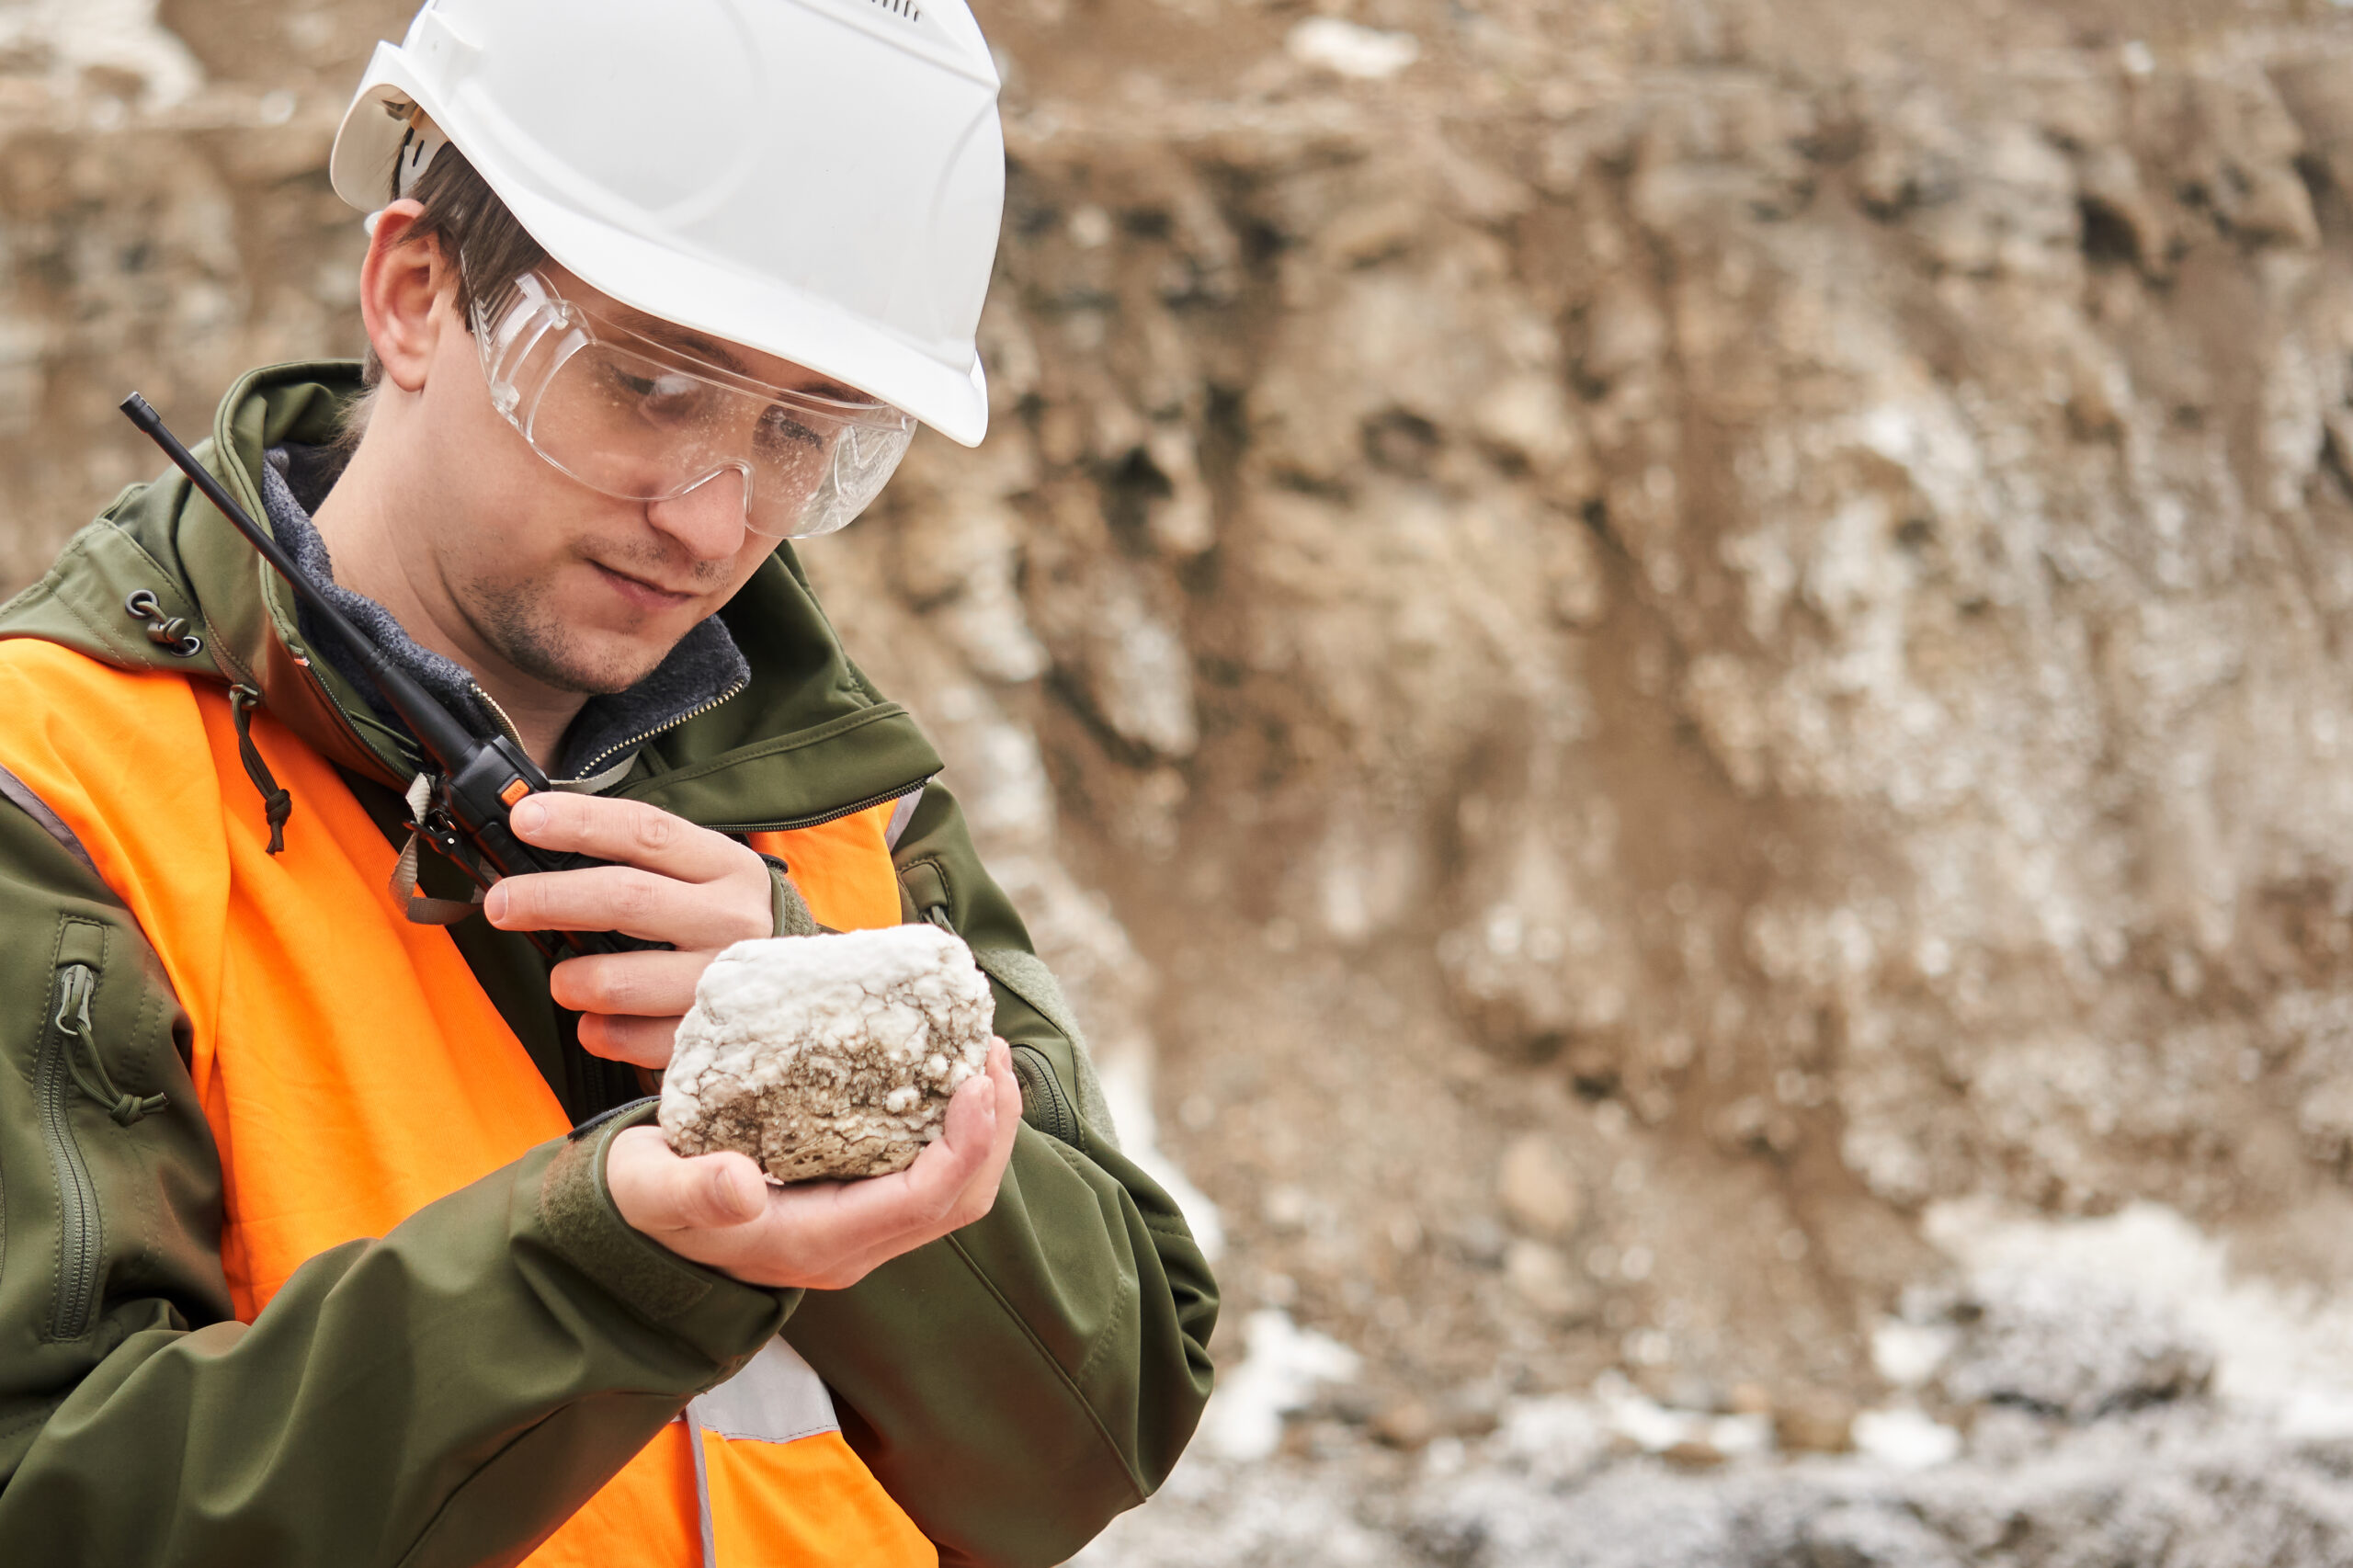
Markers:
point(818, 180)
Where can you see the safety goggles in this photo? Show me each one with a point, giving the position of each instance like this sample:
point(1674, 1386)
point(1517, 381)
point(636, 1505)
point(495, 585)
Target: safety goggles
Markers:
point(645, 421)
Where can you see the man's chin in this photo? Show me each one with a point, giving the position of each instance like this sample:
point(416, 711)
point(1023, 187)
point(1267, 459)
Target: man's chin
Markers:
point(568, 646)
point(588, 671)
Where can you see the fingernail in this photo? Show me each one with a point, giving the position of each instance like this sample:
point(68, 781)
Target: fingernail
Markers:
point(528, 814)
point(493, 904)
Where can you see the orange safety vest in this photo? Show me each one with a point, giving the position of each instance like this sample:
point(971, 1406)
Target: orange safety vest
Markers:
point(336, 1121)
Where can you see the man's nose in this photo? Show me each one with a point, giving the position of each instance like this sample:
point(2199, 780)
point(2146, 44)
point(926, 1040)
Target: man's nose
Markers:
point(707, 520)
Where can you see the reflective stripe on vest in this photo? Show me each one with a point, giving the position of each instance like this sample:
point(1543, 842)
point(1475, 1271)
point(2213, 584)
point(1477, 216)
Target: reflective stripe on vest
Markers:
point(353, 1071)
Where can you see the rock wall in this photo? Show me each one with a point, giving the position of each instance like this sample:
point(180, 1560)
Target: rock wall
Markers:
point(1632, 638)
point(1682, 647)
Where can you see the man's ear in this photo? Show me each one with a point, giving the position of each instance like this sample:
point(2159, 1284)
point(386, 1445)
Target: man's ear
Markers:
point(402, 287)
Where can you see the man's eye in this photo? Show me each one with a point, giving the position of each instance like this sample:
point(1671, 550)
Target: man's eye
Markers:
point(665, 397)
point(781, 425)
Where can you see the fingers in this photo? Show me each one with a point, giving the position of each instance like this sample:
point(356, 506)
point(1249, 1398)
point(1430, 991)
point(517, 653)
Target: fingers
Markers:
point(917, 1200)
point(667, 881)
point(845, 1229)
point(949, 1164)
point(658, 1192)
point(629, 832)
point(979, 1195)
point(641, 1042)
point(1008, 1098)
point(642, 904)
point(953, 1182)
point(1000, 1092)
point(651, 985)
point(825, 1235)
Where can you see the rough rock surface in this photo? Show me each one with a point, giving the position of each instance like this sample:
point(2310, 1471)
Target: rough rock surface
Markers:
point(830, 1056)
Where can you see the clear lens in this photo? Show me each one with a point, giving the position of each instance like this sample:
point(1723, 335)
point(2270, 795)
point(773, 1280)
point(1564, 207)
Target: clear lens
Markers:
point(637, 420)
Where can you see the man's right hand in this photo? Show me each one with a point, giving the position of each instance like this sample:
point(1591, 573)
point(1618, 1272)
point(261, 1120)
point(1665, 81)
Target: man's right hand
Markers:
point(718, 1210)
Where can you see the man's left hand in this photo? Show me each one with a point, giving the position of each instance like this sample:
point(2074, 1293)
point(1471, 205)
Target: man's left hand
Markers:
point(671, 881)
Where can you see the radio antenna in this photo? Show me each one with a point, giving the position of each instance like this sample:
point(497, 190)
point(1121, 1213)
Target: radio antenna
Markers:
point(446, 741)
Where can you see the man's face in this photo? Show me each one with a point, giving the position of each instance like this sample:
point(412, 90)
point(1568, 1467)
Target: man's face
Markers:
point(576, 589)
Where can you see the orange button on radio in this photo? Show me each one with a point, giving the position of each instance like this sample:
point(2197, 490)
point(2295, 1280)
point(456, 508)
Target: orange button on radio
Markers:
point(516, 789)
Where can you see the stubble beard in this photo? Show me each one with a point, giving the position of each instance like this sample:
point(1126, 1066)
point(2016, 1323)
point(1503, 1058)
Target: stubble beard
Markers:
point(515, 619)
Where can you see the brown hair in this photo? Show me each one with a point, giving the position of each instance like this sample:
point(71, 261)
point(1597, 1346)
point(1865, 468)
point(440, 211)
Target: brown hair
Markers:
point(466, 220)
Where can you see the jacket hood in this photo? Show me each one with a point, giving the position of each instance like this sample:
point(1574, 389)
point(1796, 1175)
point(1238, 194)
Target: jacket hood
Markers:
point(810, 738)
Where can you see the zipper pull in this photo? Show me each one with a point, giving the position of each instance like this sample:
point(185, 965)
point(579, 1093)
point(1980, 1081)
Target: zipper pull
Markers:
point(76, 986)
point(74, 991)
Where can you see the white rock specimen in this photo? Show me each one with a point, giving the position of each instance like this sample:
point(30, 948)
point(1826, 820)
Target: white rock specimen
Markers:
point(828, 1056)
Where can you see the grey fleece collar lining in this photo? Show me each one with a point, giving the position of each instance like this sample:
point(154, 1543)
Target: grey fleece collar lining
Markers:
point(706, 667)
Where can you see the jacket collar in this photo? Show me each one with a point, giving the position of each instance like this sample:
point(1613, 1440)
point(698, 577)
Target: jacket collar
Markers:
point(704, 669)
point(808, 739)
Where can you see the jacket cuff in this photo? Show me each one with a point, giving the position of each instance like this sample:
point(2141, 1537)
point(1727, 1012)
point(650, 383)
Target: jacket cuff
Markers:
point(705, 1308)
point(789, 910)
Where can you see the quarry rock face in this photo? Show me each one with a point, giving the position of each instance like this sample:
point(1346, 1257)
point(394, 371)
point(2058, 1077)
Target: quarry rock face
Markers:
point(1756, 592)
point(831, 1056)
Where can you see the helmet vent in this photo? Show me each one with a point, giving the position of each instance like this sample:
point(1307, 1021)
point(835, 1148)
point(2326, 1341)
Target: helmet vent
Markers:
point(907, 8)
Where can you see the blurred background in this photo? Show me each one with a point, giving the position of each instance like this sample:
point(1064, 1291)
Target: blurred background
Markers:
point(1672, 675)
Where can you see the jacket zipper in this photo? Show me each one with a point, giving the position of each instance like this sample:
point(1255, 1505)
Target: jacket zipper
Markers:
point(410, 759)
point(79, 1239)
point(788, 825)
point(793, 825)
point(588, 769)
point(499, 715)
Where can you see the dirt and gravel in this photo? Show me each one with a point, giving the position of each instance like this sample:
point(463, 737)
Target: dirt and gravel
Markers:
point(2099, 1393)
point(1654, 668)
point(2127, 1496)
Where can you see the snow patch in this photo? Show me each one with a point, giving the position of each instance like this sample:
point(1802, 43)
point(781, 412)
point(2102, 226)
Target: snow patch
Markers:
point(1283, 1367)
point(1908, 1354)
point(1127, 1088)
point(2282, 1348)
point(1554, 1439)
point(1346, 50)
point(1628, 1414)
point(1903, 1439)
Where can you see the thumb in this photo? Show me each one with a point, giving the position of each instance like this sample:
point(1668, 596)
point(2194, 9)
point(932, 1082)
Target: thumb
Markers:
point(971, 1118)
point(722, 1190)
point(656, 1190)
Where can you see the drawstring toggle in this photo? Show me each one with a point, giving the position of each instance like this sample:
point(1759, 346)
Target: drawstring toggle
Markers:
point(277, 805)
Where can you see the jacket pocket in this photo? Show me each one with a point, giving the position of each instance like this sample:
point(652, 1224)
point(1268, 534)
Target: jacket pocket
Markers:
point(80, 947)
point(1044, 1104)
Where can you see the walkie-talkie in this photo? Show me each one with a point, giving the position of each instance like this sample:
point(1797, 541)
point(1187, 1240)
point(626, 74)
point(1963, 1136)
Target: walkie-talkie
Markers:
point(481, 779)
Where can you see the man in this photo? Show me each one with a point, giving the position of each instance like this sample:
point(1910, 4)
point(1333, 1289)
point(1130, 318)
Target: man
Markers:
point(332, 1230)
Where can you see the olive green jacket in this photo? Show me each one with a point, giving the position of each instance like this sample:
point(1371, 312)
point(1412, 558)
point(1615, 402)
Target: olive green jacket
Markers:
point(449, 1393)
